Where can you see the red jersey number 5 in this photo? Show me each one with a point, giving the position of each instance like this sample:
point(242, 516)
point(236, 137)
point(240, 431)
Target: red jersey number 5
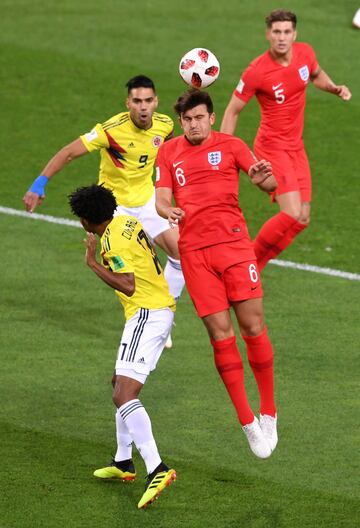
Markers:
point(279, 96)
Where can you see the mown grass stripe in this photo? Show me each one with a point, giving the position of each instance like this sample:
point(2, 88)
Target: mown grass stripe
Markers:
point(283, 263)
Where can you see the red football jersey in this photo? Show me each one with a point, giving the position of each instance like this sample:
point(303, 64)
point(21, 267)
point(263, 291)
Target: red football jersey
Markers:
point(205, 183)
point(280, 91)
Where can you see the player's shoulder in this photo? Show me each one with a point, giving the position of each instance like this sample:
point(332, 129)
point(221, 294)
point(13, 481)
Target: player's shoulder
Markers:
point(120, 119)
point(227, 139)
point(171, 144)
point(257, 65)
point(121, 221)
point(259, 61)
point(164, 122)
point(162, 118)
point(303, 48)
point(120, 232)
point(230, 145)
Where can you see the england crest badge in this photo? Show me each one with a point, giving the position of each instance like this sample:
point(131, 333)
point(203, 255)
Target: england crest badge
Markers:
point(214, 158)
point(304, 73)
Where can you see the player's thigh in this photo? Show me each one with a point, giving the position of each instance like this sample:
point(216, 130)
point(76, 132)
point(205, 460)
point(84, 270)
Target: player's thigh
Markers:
point(250, 316)
point(142, 343)
point(304, 175)
point(204, 284)
point(168, 241)
point(153, 223)
point(242, 280)
point(283, 168)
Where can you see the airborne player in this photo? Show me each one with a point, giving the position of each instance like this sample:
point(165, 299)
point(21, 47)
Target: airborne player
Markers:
point(201, 170)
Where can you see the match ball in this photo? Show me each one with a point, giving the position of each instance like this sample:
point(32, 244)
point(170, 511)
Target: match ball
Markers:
point(199, 68)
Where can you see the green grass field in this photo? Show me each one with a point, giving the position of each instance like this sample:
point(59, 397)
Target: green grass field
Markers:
point(63, 68)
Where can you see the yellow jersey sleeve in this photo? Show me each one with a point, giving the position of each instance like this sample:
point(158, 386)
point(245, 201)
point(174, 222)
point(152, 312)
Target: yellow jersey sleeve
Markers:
point(95, 139)
point(120, 264)
point(116, 252)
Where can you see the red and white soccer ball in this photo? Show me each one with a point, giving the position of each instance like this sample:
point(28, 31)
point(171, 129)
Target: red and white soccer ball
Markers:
point(199, 68)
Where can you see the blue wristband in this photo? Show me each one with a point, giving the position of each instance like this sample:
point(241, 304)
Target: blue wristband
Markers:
point(38, 185)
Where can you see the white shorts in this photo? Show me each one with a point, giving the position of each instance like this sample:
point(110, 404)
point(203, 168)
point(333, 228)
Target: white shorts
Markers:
point(142, 342)
point(147, 214)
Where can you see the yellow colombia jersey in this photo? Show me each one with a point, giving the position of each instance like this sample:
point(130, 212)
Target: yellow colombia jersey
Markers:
point(125, 248)
point(127, 155)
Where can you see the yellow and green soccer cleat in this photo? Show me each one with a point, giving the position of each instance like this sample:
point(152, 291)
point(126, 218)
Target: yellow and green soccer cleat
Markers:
point(156, 482)
point(117, 471)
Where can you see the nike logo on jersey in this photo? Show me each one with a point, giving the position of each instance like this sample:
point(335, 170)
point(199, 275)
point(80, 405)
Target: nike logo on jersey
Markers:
point(176, 164)
point(277, 86)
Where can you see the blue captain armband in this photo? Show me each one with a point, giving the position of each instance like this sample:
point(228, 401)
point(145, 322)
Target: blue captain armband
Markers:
point(38, 185)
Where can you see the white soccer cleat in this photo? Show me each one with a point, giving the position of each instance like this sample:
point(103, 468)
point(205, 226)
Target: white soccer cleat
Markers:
point(169, 343)
point(356, 19)
point(268, 426)
point(257, 441)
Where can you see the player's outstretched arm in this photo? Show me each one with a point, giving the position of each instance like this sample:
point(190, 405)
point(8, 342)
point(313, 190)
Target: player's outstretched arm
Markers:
point(231, 115)
point(123, 282)
point(322, 81)
point(36, 194)
point(165, 208)
point(261, 175)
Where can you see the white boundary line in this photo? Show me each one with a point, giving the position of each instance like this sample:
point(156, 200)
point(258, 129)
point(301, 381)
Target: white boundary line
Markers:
point(316, 269)
point(37, 216)
point(283, 263)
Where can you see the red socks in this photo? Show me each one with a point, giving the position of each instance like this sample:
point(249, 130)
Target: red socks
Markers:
point(274, 236)
point(260, 356)
point(230, 367)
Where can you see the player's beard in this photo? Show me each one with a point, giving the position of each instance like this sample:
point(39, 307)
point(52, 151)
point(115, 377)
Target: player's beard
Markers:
point(196, 139)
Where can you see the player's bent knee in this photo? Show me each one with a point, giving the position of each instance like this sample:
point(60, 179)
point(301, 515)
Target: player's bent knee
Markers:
point(304, 219)
point(294, 213)
point(116, 399)
point(127, 387)
point(123, 396)
point(116, 396)
point(168, 241)
point(252, 329)
point(173, 253)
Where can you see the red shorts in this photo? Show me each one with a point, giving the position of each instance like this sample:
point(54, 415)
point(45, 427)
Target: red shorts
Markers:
point(291, 170)
point(218, 275)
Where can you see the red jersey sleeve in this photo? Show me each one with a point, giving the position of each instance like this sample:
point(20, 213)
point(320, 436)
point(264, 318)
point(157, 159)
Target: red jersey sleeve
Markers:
point(244, 157)
point(163, 171)
point(314, 65)
point(247, 85)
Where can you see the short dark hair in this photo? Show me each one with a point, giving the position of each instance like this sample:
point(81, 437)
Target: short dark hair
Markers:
point(140, 81)
point(280, 15)
point(94, 204)
point(192, 98)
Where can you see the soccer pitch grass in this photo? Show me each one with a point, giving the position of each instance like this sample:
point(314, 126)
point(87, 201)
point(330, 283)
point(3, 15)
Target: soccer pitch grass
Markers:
point(63, 68)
